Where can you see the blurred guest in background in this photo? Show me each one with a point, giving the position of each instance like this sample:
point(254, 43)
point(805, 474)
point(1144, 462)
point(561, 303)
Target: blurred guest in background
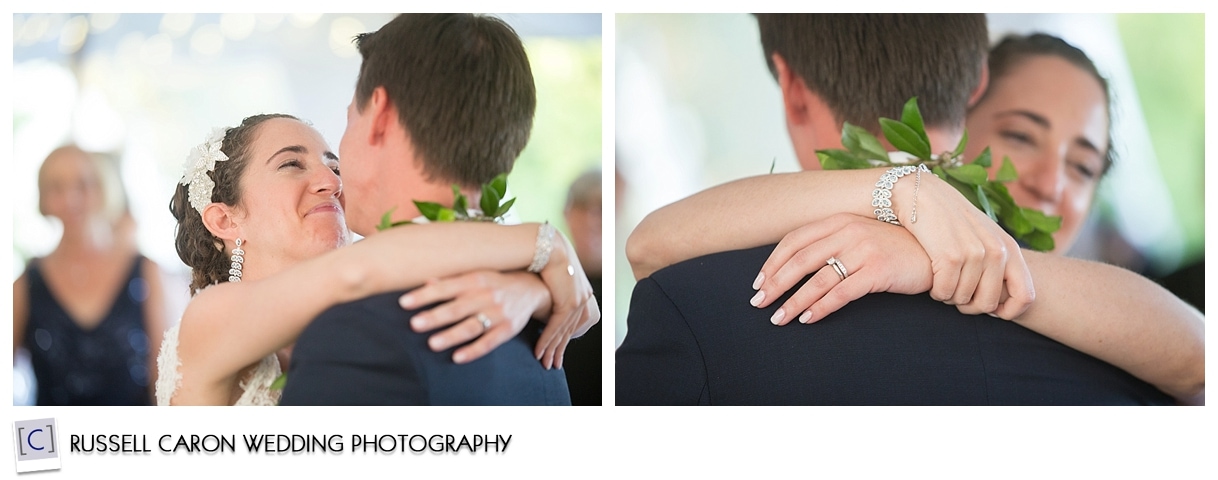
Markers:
point(90, 312)
point(583, 356)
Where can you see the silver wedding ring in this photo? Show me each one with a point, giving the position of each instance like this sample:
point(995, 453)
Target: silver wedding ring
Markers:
point(838, 267)
point(484, 320)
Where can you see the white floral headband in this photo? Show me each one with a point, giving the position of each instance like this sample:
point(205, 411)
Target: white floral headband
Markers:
point(202, 159)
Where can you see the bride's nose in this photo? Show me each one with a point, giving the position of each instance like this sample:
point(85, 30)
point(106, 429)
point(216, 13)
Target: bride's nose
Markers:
point(327, 182)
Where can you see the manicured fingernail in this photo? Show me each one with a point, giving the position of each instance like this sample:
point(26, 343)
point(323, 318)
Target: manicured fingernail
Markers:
point(757, 282)
point(804, 317)
point(435, 344)
point(758, 298)
point(406, 301)
point(459, 357)
point(778, 316)
point(417, 323)
point(992, 315)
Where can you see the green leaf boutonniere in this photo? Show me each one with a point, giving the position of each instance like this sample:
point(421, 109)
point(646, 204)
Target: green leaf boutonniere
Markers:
point(863, 150)
point(492, 206)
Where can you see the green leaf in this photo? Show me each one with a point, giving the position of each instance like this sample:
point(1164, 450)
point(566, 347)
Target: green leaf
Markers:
point(446, 215)
point(773, 163)
point(960, 147)
point(460, 202)
point(499, 184)
point(1042, 222)
point(938, 171)
point(1014, 220)
point(970, 174)
point(904, 138)
point(1039, 241)
point(984, 159)
point(280, 382)
point(840, 160)
point(912, 117)
point(490, 200)
point(386, 220)
point(1006, 173)
point(862, 143)
point(503, 209)
point(429, 210)
point(1000, 199)
point(985, 204)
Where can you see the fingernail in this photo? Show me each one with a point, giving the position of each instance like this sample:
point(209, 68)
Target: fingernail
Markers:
point(435, 344)
point(757, 282)
point(992, 315)
point(406, 301)
point(758, 298)
point(804, 317)
point(778, 316)
point(417, 323)
point(459, 357)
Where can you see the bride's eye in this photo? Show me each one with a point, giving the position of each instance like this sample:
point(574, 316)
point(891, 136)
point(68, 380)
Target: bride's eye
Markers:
point(291, 163)
point(336, 172)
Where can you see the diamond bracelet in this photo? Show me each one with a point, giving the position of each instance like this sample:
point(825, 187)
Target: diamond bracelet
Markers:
point(881, 197)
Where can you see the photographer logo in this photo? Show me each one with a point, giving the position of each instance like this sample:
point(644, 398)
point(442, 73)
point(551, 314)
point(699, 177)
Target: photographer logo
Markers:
point(37, 446)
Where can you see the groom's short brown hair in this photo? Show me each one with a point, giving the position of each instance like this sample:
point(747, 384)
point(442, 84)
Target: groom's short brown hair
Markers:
point(462, 86)
point(865, 66)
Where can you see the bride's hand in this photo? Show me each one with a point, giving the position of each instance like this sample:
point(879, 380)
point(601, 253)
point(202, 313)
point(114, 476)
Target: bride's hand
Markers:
point(975, 263)
point(575, 309)
point(878, 257)
point(505, 300)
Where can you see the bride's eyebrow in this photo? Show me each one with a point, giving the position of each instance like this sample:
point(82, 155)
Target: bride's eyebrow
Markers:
point(330, 155)
point(300, 149)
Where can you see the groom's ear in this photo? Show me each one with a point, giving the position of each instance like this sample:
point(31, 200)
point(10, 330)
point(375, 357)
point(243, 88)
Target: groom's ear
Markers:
point(382, 114)
point(979, 91)
point(794, 92)
point(220, 220)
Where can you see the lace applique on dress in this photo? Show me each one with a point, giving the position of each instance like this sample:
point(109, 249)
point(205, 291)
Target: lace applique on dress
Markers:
point(256, 388)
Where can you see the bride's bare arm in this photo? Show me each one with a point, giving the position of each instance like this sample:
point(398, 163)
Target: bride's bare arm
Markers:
point(744, 213)
point(1101, 310)
point(971, 257)
point(1122, 318)
point(227, 327)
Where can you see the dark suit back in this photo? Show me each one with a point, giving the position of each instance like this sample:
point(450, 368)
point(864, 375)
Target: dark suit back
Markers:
point(693, 338)
point(364, 353)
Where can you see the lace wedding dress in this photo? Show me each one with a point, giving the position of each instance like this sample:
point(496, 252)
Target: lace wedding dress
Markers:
point(256, 388)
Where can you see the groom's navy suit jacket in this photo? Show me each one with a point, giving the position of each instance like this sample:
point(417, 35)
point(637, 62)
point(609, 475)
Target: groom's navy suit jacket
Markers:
point(694, 339)
point(364, 353)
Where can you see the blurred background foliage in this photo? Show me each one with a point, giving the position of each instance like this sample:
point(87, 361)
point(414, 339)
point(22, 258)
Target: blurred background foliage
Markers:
point(1171, 89)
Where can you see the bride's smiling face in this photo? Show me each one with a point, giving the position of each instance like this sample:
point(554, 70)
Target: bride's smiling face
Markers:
point(1051, 118)
point(292, 206)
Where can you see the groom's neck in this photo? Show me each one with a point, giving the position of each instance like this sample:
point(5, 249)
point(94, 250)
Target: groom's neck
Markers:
point(440, 192)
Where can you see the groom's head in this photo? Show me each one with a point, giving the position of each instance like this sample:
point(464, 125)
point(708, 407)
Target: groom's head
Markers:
point(835, 68)
point(441, 99)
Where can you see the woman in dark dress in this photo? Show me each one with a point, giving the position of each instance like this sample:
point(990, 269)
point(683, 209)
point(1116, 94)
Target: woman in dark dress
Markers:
point(90, 312)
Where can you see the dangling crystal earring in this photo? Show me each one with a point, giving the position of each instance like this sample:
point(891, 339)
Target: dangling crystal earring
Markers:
point(234, 273)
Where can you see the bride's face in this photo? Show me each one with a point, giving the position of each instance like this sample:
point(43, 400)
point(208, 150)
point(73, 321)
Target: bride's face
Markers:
point(1051, 118)
point(292, 204)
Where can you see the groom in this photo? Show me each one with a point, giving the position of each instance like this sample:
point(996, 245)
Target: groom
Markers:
point(693, 340)
point(440, 99)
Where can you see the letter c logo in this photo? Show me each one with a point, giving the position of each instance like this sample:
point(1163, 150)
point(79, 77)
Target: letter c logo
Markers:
point(31, 436)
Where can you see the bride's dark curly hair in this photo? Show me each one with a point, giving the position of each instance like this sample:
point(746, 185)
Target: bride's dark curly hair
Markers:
point(197, 247)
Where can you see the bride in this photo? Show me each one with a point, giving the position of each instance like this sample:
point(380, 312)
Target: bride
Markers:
point(274, 178)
